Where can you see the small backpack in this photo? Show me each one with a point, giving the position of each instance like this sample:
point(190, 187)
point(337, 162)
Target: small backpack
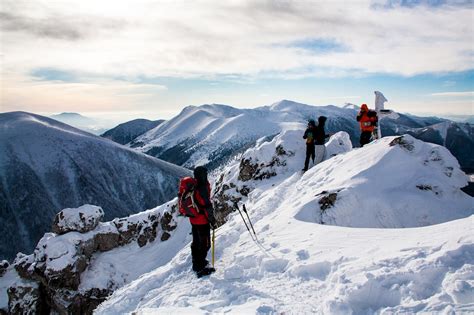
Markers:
point(187, 206)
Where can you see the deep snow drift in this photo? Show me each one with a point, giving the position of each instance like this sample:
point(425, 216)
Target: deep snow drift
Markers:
point(301, 266)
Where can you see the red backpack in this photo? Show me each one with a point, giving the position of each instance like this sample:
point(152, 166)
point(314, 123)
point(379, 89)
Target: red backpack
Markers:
point(187, 206)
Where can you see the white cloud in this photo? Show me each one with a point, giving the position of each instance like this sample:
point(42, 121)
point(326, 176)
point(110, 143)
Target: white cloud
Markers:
point(455, 94)
point(207, 38)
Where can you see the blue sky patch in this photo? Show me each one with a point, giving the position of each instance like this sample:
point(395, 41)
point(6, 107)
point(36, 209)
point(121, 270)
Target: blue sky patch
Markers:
point(319, 45)
point(51, 74)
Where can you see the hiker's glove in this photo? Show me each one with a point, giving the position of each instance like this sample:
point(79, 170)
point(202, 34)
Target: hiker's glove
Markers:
point(212, 221)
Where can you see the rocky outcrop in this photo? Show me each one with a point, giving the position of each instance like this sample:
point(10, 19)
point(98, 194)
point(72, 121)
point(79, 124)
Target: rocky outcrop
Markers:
point(51, 276)
point(82, 219)
point(3, 267)
point(25, 298)
point(230, 191)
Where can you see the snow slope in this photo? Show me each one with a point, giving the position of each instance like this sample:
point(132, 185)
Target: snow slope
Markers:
point(126, 132)
point(46, 166)
point(457, 137)
point(300, 266)
point(210, 134)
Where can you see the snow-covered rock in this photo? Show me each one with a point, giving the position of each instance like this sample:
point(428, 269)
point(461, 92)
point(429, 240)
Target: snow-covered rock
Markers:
point(65, 265)
point(46, 166)
point(82, 219)
point(298, 265)
point(24, 297)
point(4, 264)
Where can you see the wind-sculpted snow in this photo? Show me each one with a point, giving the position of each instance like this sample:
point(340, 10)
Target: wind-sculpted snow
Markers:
point(300, 266)
point(396, 182)
point(46, 166)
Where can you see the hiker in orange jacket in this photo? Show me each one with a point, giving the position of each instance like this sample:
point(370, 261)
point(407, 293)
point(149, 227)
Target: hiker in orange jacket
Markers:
point(368, 121)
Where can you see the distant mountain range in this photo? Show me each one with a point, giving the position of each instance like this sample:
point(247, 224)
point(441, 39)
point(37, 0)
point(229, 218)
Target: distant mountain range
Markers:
point(126, 132)
point(46, 166)
point(210, 134)
point(88, 124)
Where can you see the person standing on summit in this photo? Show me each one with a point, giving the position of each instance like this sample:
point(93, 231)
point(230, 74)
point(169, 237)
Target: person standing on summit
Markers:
point(320, 138)
point(315, 137)
point(368, 121)
point(309, 135)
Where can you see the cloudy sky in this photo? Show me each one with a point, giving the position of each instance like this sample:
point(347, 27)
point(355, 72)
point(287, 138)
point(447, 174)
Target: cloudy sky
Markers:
point(152, 58)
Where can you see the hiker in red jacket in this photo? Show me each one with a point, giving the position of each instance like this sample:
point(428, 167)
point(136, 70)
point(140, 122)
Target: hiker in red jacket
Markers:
point(195, 202)
point(368, 121)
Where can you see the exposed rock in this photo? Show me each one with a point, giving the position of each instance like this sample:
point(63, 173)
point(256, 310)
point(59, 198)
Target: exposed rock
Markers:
point(107, 241)
point(78, 303)
point(82, 219)
point(247, 170)
point(25, 298)
point(434, 189)
point(244, 191)
point(327, 201)
point(403, 143)
point(166, 221)
point(165, 236)
point(3, 267)
point(22, 265)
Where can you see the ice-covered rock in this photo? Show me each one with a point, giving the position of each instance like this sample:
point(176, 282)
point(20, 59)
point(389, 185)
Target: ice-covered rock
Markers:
point(82, 219)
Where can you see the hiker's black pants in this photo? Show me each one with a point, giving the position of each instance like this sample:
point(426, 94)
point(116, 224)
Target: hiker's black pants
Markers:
point(365, 137)
point(309, 154)
point(200, 245)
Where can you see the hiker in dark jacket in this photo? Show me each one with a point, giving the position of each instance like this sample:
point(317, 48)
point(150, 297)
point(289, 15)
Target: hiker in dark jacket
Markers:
point(320, 138)
point(315, 137)
point(309, 135)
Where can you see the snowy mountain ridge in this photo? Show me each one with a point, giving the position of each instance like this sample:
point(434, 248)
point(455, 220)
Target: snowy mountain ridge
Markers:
point(128, 131)
point(210, 134)
point(309, 256)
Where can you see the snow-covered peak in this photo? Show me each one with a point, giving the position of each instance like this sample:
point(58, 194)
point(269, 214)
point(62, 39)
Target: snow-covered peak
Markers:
point(12, 123)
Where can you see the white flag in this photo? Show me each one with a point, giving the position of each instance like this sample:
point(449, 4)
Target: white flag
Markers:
point(379, 101)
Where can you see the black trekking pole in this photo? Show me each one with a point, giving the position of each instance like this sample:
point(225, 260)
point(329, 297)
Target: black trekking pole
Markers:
point(251, 225)
point(243, 219)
